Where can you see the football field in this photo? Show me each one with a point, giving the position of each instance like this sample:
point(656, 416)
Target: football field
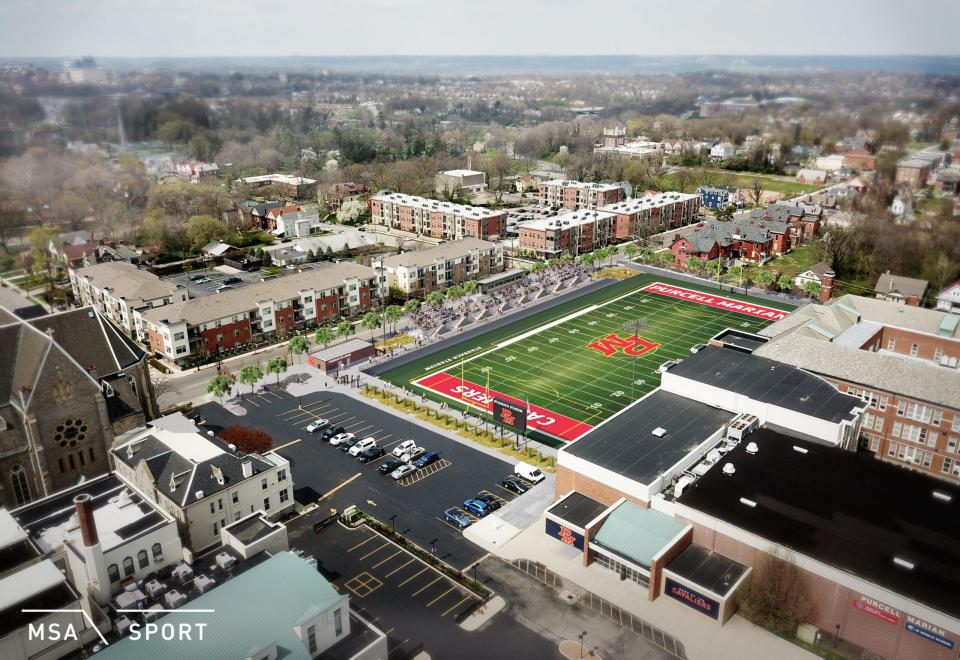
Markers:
point(591, 359)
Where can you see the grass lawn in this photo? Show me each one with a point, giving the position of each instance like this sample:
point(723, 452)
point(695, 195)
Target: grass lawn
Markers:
point(772, 184)
point(793, 263)
point(576, 365)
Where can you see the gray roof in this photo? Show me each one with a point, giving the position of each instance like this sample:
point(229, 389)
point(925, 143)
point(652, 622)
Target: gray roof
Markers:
point(323, 277)
point(339, 350)
point(768, 381)
point(91, 339)
point(889, 284)
point(126, 281)
point(442, 252)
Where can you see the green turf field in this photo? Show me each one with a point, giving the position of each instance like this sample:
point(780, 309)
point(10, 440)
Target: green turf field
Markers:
point(547, 360)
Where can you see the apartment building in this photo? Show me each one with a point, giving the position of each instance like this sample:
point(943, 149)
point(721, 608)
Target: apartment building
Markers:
point(578, 194)
point(469, 182)
point(653, 213)
point(202, 327)
point(569, 232)
point(430, 217)
point(123, 292)
point(201, 481)
point(901, 360)
point(912, 174)
point(420, 272)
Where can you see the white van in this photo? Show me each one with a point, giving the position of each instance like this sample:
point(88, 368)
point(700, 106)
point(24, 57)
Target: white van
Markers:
point(528, 472)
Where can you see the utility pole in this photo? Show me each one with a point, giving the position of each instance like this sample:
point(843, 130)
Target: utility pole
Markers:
point(634, 326)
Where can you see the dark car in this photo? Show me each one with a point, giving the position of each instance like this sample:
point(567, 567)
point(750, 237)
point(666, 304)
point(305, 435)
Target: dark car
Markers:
point(489, 500)
point(456, 517)
point(370, 454)
point(198, 277)
point(389, 465)
point(514, 484)
point(331, 431)
point(426, 459)
point(232, 280)
point(346, 444)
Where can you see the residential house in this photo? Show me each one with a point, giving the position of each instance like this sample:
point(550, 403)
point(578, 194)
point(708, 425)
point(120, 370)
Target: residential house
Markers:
point(900, 289)
point(339, 193)
point(820, 274)
point(270, 220)
point(296, 224)
point(912, 174)
point(297, 187)
point(719, 197)
point(722, 151)
point(948, 300)
point(806, 175)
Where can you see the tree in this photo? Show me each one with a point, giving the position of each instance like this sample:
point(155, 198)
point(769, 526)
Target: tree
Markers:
point(351, 212)
point(324, 335)
point(345, 328)
point(588, 259)
point(811, 288)
point(777, 597)
point(454, 292)
point(411, 306)
point(714, 268)
point(203, 229)
point(647, 255)
point(726, 213)
point(276, 366)
point(470, 287)
point(298, 345)
point(695, 264)
point(785, 283)
point(249, 375)
point(219, 386)
point(630, 249)
point(435, 299)
point(311, 256)
point(370, 321)
point(328, 254)
point(764, 278)
point(666, 258)
point(756, 191)
point(392, 314)
point(249, 441)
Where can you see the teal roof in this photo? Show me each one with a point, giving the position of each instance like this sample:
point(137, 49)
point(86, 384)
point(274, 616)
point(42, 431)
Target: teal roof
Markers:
point(948, 326)
point(637, 533)
point(254, 610)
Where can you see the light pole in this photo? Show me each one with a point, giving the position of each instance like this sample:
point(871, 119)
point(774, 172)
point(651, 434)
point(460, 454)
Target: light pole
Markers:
point(634, 326)
point(383, 304)
point(393, 523)
point(581, 636)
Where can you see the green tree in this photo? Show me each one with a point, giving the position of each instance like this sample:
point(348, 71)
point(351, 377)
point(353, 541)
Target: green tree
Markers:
point(470, 287)
point(811, 288)
point(324, 335)
point(370, 321)
point(219, 386)
point(647, 255)
point(392, 314)
point(630, 249)
point(411, 306)
point(249, 375)
point(276, 366)
point(785, 283)
point(435, 298)
point(298, 345)
point(714, 268)
point(454, 292)
point(726, 213)
point(202, 229)
point(764, 278)
point(666, 258)
point(311, 256)
point(345, 328)
point(695, 264)
point(587, 260)
point(328, 254)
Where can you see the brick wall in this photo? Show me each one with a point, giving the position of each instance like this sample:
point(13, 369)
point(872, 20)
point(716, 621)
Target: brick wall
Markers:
point(568, 480)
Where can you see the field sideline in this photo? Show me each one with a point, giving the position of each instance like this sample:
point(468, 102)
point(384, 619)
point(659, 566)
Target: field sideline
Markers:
point(576, 365)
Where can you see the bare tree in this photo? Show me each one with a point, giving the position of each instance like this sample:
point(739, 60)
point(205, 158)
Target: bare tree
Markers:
point(756, 191)
point(778, 596)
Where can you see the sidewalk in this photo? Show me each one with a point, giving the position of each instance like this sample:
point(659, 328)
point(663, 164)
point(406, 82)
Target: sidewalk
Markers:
point(702, 637)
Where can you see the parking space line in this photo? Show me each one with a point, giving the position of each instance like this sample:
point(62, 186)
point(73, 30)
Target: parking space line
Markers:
point(422, 570)
point(390, 651)
point(440, 596)
point(494, 496)
point(507, 490)
point(400, 568)
point(339, 419)
point(380, 441)
point(362, 429)
point(366, 540)
point(339, 486)
point(247, 400)
point(465, 598)
point(373, 552)
point(427, 586)
point(384, 561)
point(284, 446)
point(447, 523)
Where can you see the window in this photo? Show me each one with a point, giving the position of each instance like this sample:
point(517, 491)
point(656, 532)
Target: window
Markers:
point(213, 509)
point(891, 344)
point(878, 423)
point(142, 559)
point(236, 515)
point(892, 449)
point(937, 417)
point(178, 336)
point(337, 622)
point(884, 399)
point(914, 348)
point(266, 503)
point(955, 427)
point(235, 496)
point(114, 572)
point(220, 504)
point(263, 484)
point(927, 459)
point(127, 566)
point(897, 429)
point(18, 479)
point(216, 527)
point(157, 551)
point(281, 475)
point(874, 443)
point(284, 495)
point(937, 354)
point(312, 640)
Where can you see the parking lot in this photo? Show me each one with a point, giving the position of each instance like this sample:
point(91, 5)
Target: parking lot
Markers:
point(414, 505)
point(415, 605)
point(212, 280)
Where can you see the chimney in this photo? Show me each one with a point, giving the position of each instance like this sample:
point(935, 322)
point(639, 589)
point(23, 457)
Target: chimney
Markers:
point(826, 285)
point(469, 162)
point(97, 578)
point(88, 527)
point(247, 468)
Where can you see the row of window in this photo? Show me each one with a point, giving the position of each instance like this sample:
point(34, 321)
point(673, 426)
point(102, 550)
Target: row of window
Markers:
point(284, 497)
point(914, 349)
point(142, 561)
point(909, 454)
point(75, 460)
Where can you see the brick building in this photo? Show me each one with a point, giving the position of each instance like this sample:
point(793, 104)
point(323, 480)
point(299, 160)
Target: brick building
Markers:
point(569, 232)
point(901, 360)
point(420, 272)
point(642, 216)
point(912, 174)
point(578, 194)
point(430, 217)
point(860, 160)
point(199, 328)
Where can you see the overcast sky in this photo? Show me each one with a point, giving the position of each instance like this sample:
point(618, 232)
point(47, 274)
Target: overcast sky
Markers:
point(477, 27)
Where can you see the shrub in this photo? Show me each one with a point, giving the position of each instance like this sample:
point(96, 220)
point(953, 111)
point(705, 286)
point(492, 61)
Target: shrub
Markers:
point(247, 440)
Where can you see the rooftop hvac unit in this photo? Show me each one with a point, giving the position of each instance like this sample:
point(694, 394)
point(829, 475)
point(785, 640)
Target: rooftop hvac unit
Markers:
point(682, 485)
point(659, 431)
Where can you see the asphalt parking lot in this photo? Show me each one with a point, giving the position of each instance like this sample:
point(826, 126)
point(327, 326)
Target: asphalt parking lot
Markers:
point(214, 280)
point(415, 605)
point(322, 472)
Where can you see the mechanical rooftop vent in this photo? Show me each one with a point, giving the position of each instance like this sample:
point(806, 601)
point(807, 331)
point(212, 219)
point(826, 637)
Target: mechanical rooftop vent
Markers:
point(659, 431)
point(904, 563)
point(752, 448)
point(802, 450)
point(749, 503)
point(729, 470)
point(942, 496)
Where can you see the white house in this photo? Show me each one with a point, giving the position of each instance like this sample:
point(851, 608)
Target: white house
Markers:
point(948, 300)
point(813, 274)
point(722, 151)
point(831, 163)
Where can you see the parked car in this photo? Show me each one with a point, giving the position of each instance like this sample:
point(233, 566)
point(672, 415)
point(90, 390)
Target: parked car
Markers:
point(412, 455)
point(345, 445)
point(389, 465)
point(427, 459)
point(371, 454)
point(224, 287)
point(476, 507)
point(362, 445)
point(456, 517)
point(331, 431)
point(402, 471)
point(489, 500)
point(232, 280)
point(198, 277)
point(528, 472)
point(318, 424)
point(514, 484)
point(340, 438)
point(404, 447)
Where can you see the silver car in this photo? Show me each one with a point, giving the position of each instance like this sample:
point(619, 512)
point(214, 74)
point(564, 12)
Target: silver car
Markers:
point(402, 471)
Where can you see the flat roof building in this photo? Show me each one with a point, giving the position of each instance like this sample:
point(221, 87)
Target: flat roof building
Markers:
point(431, 217)
point(420, 272)
point(561, 193)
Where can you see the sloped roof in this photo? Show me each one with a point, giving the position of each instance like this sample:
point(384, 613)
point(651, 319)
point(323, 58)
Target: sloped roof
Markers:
point(91, 340)
point(126, 281)
point(637, 533)
point(898, 284)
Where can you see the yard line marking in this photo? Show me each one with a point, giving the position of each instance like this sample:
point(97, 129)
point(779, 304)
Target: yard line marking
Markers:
point(422, 570)
point(397, 569)
point(440, 596)
point(423, 588)
point(366, 540)
point(383, 561)
point(465, 598)
point(373, 552)
point(341, 485)
point(284, 446)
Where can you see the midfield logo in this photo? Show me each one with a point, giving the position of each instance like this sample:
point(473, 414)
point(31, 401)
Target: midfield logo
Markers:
point(631, 345)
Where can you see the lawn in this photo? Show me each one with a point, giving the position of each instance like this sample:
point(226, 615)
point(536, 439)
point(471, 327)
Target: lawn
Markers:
point(577, 365)
point(773, 184)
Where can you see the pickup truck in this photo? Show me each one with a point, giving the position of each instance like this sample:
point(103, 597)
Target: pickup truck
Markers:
point(403, 448)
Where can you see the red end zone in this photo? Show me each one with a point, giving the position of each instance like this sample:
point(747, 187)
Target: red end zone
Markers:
point(478, 396)
point(719, 302)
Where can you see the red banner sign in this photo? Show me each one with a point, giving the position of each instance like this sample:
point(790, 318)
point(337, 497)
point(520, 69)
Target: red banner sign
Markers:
point(718, 302)
point(540, 419)
point(879, 610)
